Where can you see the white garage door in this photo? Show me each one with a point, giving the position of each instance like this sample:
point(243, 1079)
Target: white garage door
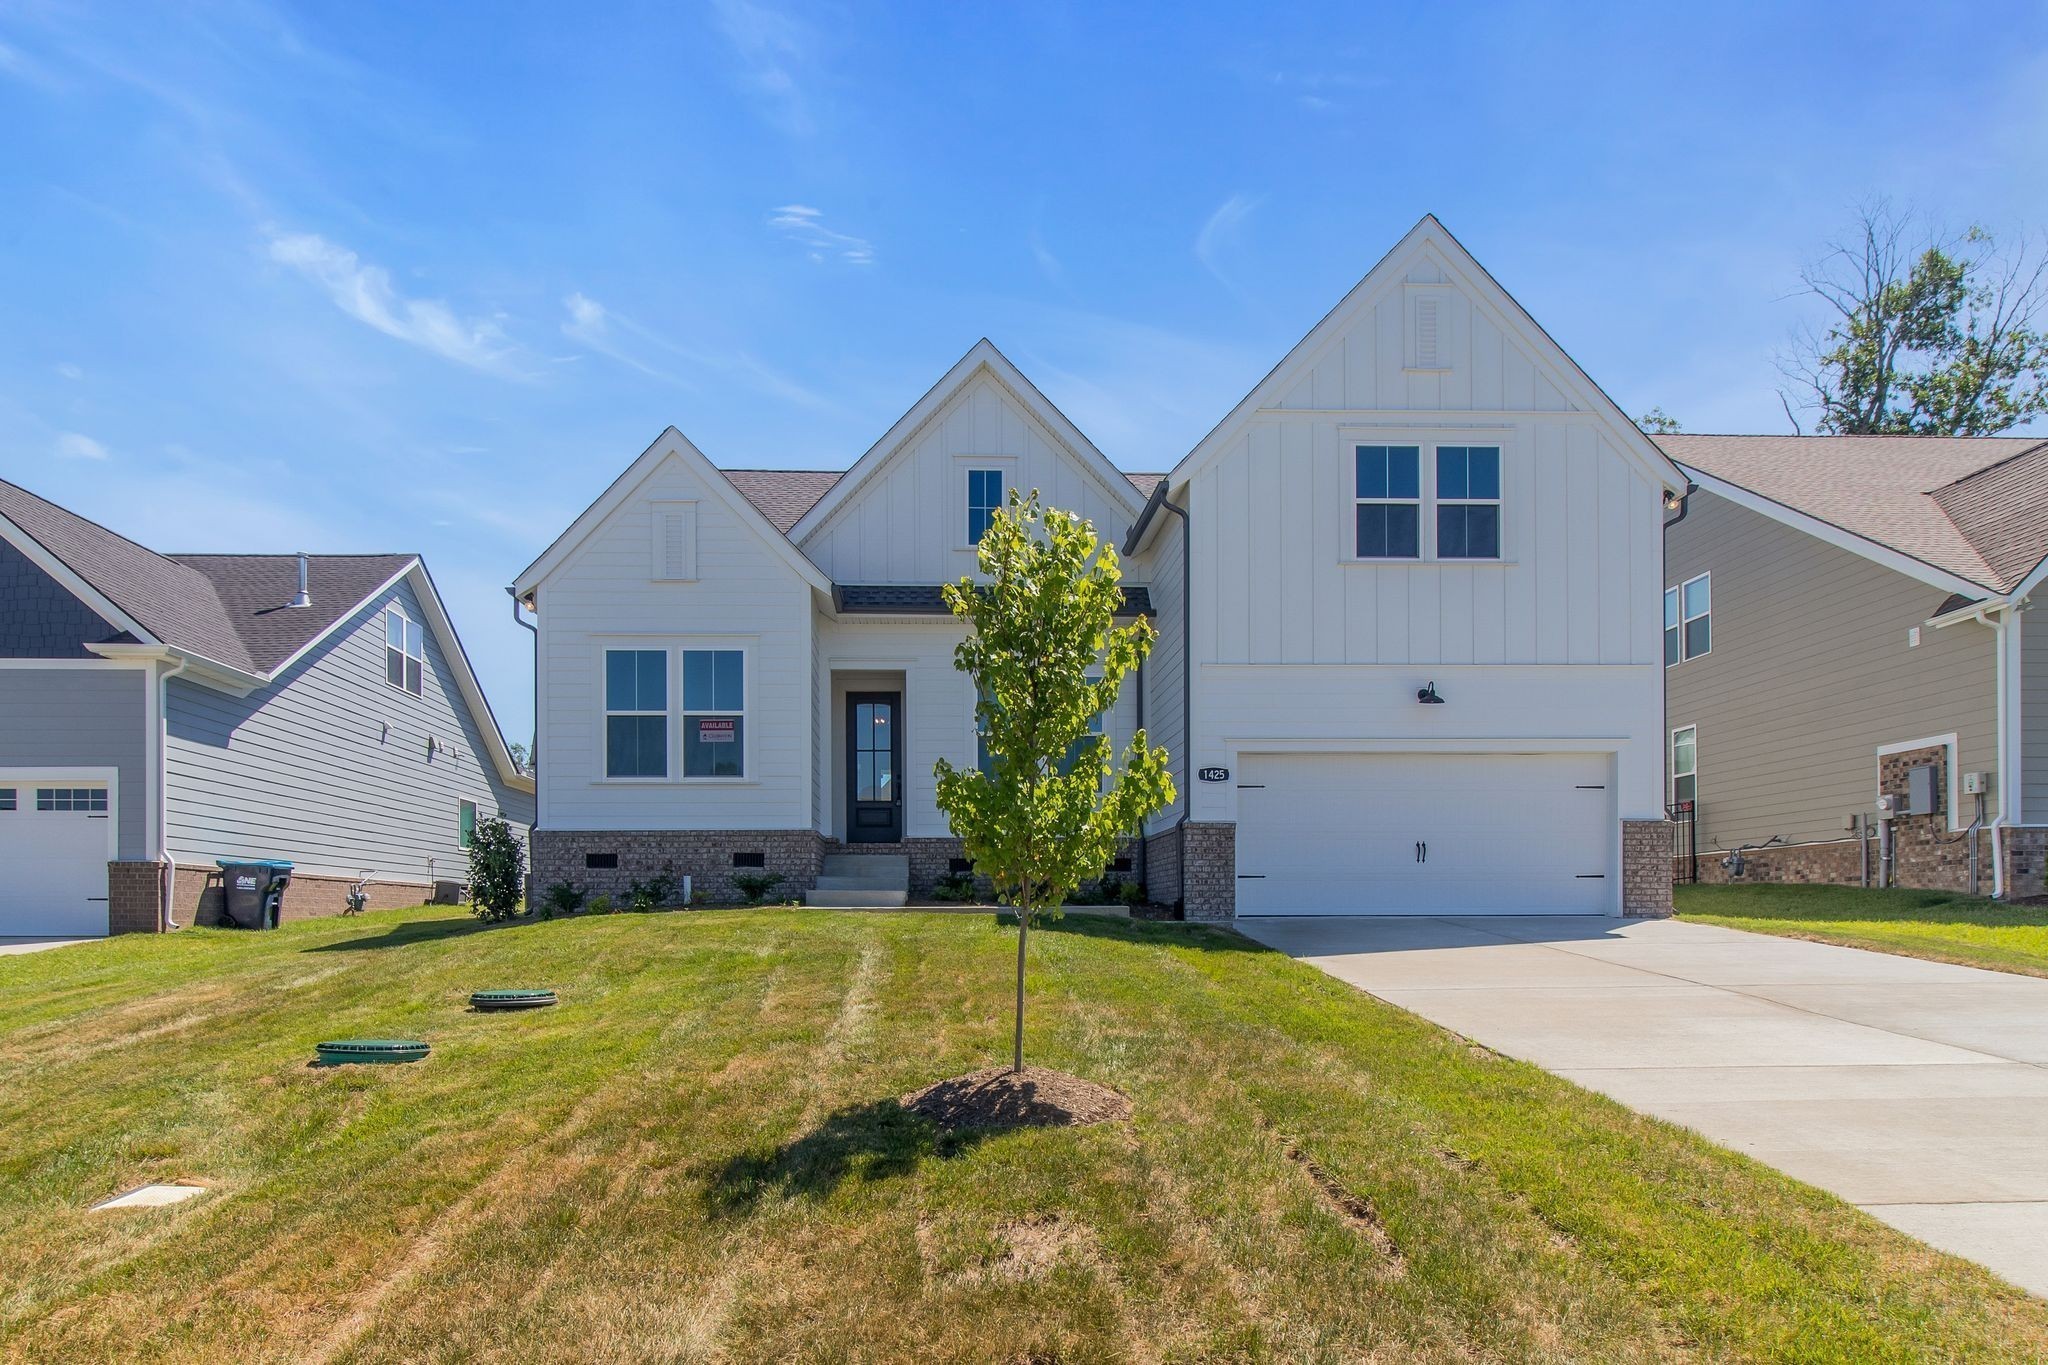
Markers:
point(1425, 834)
point(55, 843)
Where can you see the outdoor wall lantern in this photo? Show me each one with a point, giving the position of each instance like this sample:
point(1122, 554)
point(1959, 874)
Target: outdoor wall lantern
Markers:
point(1427, 695)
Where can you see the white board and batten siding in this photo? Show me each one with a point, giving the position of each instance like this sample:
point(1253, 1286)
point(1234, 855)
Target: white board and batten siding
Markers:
point(908, 521)
point(329, 767)
point(744, 596)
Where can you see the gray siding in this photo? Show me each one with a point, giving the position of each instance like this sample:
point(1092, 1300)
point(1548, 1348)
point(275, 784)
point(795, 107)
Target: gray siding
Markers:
point(83, 718)
point(1160, 571)
point(39, 618)
point(2034, 712)
point(1810, 672)
point(328, 767)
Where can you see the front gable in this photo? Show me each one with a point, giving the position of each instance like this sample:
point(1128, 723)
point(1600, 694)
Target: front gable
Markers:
point(41, 618)
point(900, 515)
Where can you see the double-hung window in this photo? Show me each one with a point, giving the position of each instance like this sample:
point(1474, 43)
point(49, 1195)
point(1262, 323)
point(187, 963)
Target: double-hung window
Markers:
point(465, 823)
point(1389, 498)
point(636, 713)
point(1468, 502)
point(714, 713)
point(984, 496)
point(404, 652)
point(1685, 765)
point(1688, 619)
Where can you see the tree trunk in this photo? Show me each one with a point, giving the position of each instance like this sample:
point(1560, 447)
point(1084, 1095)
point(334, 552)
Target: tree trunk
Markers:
point(1023, 933)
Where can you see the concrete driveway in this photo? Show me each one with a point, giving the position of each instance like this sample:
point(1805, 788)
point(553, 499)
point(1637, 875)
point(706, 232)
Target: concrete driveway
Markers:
point(1915, 1090)
point(34, 945)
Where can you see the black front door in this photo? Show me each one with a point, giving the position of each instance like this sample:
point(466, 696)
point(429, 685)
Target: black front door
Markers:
point(874, 767)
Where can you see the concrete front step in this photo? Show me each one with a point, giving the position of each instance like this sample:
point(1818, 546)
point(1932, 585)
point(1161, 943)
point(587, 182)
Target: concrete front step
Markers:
point(892, 868)
point(855, 900)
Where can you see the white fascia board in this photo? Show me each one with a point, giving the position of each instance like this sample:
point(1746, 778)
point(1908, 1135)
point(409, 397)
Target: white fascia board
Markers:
point(219, 676)
point(2032, 581)
point(670, 443)
point(1834, 535)
point(72, 583)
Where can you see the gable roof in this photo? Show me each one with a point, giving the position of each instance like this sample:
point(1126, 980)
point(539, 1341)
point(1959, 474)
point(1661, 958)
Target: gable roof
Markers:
point(982, 356)
point(774, 491)
point(1973, 508)
point(783, 495)
point(254, 592)
point(1484, 290)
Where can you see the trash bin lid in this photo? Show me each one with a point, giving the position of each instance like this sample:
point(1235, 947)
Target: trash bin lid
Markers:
point(252, 862)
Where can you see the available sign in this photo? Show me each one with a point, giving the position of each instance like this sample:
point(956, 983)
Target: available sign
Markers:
point(715, 730)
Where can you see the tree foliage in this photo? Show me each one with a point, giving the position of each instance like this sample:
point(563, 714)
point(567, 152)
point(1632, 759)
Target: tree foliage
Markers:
point(497, 870)
point(1659, 423)
point(1925, 334)
point(1046, 656)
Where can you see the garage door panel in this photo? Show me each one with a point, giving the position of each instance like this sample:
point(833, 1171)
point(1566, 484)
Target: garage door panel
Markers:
point(55, 835)
point(1425, 834)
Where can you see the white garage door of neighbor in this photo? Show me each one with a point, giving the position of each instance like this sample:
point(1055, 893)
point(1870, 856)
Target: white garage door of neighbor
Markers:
point(54, 850)
point(1425, 834)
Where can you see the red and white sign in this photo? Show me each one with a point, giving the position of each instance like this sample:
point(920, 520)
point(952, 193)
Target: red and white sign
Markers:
point(715, 730)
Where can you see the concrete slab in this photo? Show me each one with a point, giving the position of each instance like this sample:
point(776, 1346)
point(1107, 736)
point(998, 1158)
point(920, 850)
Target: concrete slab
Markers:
point(1918, 1090)
point(9, 946)
point(151, 1197)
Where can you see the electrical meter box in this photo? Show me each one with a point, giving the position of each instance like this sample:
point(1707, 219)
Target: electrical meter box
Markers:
point(1922, 796)
point(1887, 806)
point(1976, 784)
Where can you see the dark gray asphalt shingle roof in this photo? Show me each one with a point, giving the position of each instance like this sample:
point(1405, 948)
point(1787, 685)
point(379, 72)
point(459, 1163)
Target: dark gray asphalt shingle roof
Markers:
point(230, 609)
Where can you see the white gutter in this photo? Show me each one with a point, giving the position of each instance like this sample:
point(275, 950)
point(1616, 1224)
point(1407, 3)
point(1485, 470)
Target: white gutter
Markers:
point(163, 803)
point(2005, 648)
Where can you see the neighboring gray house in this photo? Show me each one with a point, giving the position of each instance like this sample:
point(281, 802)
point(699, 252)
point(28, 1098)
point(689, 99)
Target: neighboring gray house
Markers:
point(160, 712)
point(1841, 611)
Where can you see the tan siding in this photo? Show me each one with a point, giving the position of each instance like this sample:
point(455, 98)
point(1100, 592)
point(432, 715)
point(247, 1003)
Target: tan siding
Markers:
point(2034, 712)
point(1810, 672)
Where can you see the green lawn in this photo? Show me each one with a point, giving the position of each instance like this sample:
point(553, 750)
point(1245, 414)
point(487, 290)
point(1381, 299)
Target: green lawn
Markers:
point(698, 1156)
point(1943, 925)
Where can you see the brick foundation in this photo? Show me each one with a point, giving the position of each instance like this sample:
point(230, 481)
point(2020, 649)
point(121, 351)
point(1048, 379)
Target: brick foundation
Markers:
point(1162, 867)
point(196, 896)
point(2026, 861)
point(1646, 868)
point(134, 897)
point(1836, 862)
point(705, 856)
point(1209, 881)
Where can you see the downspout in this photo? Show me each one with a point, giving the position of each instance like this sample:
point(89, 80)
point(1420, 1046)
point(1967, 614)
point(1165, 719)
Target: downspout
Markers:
point(167, 877)
point(1187, 689)
point(1144, 863)
point(2003, 710)
point(533, 739)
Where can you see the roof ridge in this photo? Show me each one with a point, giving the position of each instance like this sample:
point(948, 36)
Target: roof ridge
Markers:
point(1986, 469)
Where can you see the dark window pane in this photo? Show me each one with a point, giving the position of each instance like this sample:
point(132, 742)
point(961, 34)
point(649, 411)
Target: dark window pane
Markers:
point(394, 667)
point(1671, 608)
point(1372, 471)
point(731, 687)
point(1670, 645)
point(1450, 472)
point(1372, 530)
point(1483, 471)
point(1404, 531)
point(700, 680)
point(620, 689)
point(653, 684)
point(1482, 531)
point(1404, 471)
point(1697, 637)
point(412, 676)
point(636, 746)
point(713, 746)
point(1698, 596)
point(864, 777)
point(1450, 533)
point(1682, 788)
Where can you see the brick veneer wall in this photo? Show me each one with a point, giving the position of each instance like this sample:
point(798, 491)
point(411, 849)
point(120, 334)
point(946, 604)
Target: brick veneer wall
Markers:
point(2026, 862)
point(1838, 862)
point(703, 855)
point(134, 895)
point(1646, 868)
point(196, 896)
point(1162, 867)
point(1209, 888)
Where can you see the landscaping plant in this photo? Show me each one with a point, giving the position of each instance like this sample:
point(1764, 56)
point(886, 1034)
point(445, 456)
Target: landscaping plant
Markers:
point(561, 898)
point(755, 886)
point(497, 871)
point(1047, 656)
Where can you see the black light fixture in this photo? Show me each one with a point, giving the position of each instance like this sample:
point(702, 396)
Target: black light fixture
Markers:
point(1427, 695)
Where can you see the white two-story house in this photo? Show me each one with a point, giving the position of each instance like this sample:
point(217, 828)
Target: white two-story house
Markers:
point(1408, 598)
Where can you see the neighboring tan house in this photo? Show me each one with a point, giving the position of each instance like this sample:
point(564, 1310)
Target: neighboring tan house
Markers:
point(161, 712)
point(1847, 617)
point(1420, 601)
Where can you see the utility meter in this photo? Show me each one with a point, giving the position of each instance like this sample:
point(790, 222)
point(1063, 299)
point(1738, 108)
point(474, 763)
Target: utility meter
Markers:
point(1887, 806)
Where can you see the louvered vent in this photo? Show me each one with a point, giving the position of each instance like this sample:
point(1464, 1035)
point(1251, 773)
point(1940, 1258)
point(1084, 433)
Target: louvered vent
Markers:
point(675, 540)
point(1426, 356)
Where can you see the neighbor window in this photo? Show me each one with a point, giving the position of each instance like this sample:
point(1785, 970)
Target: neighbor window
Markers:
point(404, 652)
point(84, 800)
point(465, 824)
point(714, 713)
point(1389, 498)
point(1468, 502)
point(984, 496)
point(636, 713)
point(6, 798)
point(1685, 765)
point(1688, 619)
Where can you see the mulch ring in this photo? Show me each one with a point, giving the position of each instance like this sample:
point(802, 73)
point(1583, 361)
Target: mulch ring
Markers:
point(1002, 1098)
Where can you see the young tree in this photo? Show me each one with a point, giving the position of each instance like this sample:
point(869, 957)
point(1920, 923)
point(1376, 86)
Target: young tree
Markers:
point(1046, 656)
point(1924, 335)
point(497, 870)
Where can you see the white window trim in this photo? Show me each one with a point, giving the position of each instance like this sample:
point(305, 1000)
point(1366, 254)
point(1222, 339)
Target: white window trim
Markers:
point(1006, 465)
point(659, 512)
point(746, 746)
point(1427, 503)
point(1950, 743)
point(393, 609)
point(1684, 620)
point(1671, 763)
point(670, 744)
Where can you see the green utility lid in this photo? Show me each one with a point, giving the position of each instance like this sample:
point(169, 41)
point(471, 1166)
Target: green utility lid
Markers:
point(511, 999)
point(371, 1050)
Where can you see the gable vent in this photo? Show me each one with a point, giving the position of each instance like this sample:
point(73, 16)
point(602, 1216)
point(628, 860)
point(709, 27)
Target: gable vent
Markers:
point(675, 541)
point(1426, 330)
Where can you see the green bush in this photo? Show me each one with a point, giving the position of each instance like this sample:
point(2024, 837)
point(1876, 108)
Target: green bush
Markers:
point(653, 893)
point(600, 904)
point(954, 886)
point(497, 871)
point(755, 886)
point(560, 899)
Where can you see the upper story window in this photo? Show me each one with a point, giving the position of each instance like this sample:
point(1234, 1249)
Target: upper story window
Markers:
point(7, 798)
point(1688, 619)
point(1685, 765)
point(1468, 502)
point(1389, 495)
point(636, 713)
point(714, 713)
point(984, 496)
point(404, 652)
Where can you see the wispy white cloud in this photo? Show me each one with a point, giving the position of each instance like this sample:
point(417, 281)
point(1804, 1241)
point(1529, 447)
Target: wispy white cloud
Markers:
point(629, 343)
point(69, 371)
point(1220, 234)
point(805, 226)
point(1048, 264)
point(365, 293)
point(773, 48)
point(71, 445)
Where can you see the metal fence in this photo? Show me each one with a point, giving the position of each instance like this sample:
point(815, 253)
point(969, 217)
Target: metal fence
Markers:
point(1685, 843)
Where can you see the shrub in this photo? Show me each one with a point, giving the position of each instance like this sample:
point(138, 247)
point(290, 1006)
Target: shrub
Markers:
point(600, 904)
point(560, 899)
point(1131, 894)
point(954, 886)
point(653, 893)
point(755, 886)
point(497, 871)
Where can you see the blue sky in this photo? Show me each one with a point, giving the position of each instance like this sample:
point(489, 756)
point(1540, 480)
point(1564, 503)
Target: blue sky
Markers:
point(424, 278)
